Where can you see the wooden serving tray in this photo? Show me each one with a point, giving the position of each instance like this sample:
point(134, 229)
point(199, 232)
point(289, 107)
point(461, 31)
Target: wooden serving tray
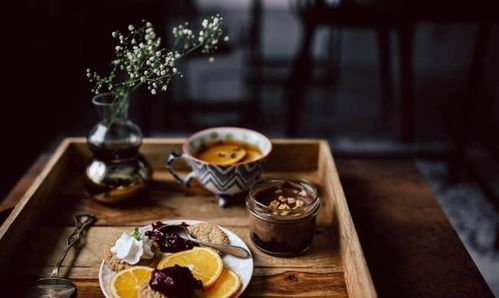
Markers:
point(41, 221)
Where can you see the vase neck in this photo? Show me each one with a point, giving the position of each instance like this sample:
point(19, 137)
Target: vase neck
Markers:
point(109, 109)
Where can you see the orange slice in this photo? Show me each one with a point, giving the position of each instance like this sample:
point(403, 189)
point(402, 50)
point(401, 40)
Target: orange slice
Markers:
point(204, 263)
point(223, 154)
point(251, 155)
point(126, 283)
point(226, 286)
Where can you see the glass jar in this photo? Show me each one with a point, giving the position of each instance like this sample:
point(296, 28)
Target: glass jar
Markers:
point(117, 170)
point(282, 231)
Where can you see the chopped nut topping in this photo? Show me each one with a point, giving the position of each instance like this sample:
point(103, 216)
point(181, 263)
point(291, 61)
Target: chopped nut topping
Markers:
point(291, 200)
point(274, 204)
point(284, 207)
point(299, 203)
point(278, 190)
point(282, 199)
point(284, 213)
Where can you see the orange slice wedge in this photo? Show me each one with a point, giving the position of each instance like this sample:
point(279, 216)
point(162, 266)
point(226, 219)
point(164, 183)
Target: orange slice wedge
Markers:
point(223, 154)
point(126, 283)
point(251, 155)
point(226, 286)
point(204, 263)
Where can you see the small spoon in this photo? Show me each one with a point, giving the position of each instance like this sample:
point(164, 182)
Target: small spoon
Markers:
point(55, 286)
point(181, 231)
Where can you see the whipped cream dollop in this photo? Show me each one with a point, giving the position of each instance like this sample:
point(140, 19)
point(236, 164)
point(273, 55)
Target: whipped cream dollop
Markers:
point(131, 250)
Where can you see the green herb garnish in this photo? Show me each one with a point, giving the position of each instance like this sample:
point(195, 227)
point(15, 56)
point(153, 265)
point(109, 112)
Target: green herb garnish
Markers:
point(136, 234)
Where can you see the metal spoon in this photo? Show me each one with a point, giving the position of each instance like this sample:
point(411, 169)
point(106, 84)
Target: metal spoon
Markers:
point(55, 286)
point(181, 231)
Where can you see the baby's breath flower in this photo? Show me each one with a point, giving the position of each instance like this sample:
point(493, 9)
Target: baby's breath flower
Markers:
point(140, 59)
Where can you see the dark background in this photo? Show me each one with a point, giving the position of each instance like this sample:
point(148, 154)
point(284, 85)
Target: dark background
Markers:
point(383, 79)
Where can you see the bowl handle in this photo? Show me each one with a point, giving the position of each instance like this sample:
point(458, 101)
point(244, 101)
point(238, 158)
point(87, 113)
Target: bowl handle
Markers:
point(184, 181)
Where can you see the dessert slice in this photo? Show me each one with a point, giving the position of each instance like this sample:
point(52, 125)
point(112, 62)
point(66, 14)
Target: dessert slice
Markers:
point(132, 249)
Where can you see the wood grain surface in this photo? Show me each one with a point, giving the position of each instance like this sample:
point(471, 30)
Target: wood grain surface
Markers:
point(410, 247)
point(45, 209)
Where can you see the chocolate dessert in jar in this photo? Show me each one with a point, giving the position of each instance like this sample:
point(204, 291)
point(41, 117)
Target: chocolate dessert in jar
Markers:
point(282, 215)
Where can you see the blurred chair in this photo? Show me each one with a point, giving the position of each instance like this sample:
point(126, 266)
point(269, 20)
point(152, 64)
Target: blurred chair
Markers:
point(261, 70)
point(403, 15)
point(187, 107)
point(336, 14)
point(482, 13)
point(467, 104)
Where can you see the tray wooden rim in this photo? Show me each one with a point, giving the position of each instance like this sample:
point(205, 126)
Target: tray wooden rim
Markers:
point(358, 279)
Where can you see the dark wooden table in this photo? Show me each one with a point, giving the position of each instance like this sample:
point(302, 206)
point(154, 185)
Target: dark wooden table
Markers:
point(410, 246)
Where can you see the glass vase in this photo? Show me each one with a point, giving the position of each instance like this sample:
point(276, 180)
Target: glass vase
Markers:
point(117, 171)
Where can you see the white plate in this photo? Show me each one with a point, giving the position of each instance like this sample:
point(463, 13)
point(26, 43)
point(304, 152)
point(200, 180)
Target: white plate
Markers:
point(243, 267)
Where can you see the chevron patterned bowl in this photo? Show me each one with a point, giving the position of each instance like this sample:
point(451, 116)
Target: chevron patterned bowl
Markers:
point(222, 180)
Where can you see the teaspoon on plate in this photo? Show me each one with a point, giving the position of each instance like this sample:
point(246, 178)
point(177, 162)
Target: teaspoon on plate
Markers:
point(181, 231)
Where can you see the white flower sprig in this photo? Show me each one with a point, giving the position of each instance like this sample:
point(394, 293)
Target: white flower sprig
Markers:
point(140, 59)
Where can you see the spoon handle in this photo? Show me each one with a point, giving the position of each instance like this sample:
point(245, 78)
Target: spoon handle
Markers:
point(82, 221)
point(236, 251)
